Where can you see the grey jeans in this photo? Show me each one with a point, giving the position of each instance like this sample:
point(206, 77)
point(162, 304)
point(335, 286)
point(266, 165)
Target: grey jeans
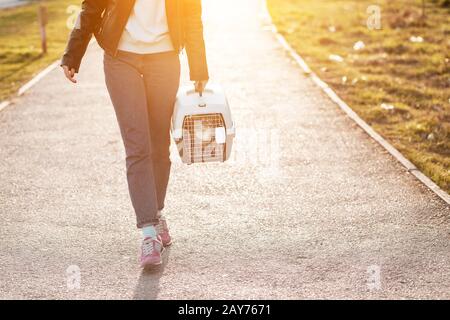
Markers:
point(143, 89)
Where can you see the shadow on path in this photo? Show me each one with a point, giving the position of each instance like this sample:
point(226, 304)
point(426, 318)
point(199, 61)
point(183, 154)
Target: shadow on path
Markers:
point(147, 287)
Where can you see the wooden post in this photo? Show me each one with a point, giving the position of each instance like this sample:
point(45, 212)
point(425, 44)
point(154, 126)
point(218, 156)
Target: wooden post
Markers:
point(423, 12)
point(43, 19)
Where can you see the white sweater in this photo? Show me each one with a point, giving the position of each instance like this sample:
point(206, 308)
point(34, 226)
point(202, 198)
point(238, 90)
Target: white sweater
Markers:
point(147, 30)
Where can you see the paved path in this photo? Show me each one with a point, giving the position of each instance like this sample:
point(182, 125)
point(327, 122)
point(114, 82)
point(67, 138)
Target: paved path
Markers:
point(309, 224)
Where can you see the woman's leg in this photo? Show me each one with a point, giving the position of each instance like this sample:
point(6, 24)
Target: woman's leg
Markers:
point(128, 95)
point(161, 78)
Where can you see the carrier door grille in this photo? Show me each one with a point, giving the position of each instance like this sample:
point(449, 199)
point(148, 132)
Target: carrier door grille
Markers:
point(199, 138)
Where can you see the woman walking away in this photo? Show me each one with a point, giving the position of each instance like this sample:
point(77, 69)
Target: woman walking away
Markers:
point(141, 40)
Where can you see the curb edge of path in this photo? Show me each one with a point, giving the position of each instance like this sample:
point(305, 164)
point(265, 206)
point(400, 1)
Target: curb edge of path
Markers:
point(29, 84)
point(269, 25)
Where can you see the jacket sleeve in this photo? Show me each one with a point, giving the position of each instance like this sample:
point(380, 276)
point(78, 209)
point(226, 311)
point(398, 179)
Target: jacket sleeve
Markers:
point(87, 21)
point(194, 41)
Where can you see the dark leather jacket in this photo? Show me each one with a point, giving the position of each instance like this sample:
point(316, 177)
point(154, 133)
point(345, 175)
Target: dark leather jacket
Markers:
point(106, 20)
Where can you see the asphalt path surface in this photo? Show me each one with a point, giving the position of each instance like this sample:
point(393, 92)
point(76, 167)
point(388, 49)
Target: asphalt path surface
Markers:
point(308, 207)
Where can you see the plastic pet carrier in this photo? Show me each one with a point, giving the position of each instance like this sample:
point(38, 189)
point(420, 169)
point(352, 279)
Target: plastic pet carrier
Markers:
point(202, 126)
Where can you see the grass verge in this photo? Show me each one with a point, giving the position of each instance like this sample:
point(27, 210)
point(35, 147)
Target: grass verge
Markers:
point(396, 78)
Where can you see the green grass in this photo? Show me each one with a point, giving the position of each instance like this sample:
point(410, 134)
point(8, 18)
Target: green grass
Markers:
point(20, 44)
point(390, 69)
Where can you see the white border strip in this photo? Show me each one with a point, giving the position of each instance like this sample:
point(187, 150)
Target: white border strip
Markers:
point(37, 78)
point(4, 104)
point(350, 113)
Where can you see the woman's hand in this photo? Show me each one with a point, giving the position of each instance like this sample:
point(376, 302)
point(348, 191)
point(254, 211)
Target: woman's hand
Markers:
point(200, 86)
point(69, 73)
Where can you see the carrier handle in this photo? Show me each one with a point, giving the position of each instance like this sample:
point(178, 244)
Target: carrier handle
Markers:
point(192, 91)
